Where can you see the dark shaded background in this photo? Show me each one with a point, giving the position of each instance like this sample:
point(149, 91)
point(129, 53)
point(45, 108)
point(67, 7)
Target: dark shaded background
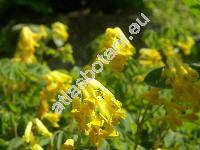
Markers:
point(86, 20)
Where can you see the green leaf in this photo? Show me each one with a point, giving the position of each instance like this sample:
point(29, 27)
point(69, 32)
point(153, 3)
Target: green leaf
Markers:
point(154, 78)
point(195, 66)
point(3, 143)
point(57, 139)
point(104, 146)
point(194, 6)
point(11, 71)
point(169, 139)
point(36, 71)
point(60, 139)
point(43, 142)
point(15, 143)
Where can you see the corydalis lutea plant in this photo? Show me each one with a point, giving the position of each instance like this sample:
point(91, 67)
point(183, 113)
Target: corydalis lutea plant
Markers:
point(97, 112)
point(183, 81)
point(29, 136)
point(124, 50)
point(55, 82)
point(33, 43)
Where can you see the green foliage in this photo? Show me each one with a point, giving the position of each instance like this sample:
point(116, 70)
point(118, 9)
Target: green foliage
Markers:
point(154, 78)
point(12, 72)
point(145, 125)
point(194, 6)
point(175, 15)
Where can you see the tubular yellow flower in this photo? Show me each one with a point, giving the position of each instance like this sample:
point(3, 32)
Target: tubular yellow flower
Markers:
point(185, 91)
point(186, 46)
point(42, 32)
point(124, 49)
point(60, 31)
point(68, 145)
point(44, 107)
point(27, 43)
point(150, 58)
point(42, 129)
point(97, 111)
point(28, 135)
point(21, 57)
point(56, 81)
point(27, 40)
point(36, 147)
point(52, 117)
point(98, 129)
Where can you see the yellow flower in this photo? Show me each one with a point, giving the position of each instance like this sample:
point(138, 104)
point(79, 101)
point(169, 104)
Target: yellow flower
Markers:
point(186, 46)
point(42, 32)
point(123, 49)
point(21, 57)
point(56, 81)
point(52, 117)
point(36, 147)
point(150, 58)
point(97, 111)
point(28, 135)
point(176, 69)
point(97, 130)
point(60, 31)
point(68, 145)
point(27, 43)
point(44, 106)
point(27, 40)
point(42, 129)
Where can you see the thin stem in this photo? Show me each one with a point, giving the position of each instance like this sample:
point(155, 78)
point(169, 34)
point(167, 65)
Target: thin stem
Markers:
point(15, 130)
point(150, 114)
point(139, 126)
point(137, 133)
point(79, 140)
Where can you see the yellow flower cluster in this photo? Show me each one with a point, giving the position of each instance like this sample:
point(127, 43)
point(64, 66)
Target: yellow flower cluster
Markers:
point(150, 58)
point(174, 109)
point(176, 69)
point(185, 101)
point(97, 112)
point(29, 138)
point(28, 41)
point(124, 49)
point(56, 81)
point(187, 45)
point(53, 118)
point(60, 31)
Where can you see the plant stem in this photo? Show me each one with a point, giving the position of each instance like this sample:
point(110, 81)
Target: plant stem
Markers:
point(79, 140)
point(139, 126)
point(137, 132)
